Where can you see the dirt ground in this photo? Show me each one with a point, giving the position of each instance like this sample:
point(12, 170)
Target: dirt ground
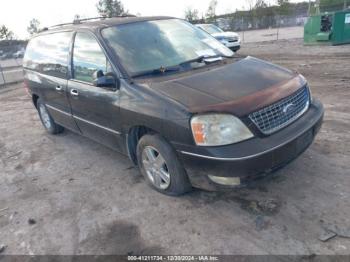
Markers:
point(272, 34)
point(87, 199)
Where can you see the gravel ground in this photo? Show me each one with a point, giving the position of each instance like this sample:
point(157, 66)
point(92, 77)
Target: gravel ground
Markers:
point(272, 34)
point(68, 195)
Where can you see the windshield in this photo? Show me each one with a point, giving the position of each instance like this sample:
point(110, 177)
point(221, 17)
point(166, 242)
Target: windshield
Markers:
point(150, 45)
point(212, 29)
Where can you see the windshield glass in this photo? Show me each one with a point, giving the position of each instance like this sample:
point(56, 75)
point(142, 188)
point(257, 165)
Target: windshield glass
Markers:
point(212, 29)
point(151, 45)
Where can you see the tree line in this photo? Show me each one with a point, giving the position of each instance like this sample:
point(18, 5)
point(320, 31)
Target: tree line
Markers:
point(105, 8)
point(256, 8)
point(261, 8)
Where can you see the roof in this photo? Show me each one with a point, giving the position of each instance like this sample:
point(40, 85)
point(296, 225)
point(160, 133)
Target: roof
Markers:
point(105, 22)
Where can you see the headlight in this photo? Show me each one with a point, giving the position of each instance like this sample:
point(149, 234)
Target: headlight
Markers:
point(222, 39)
point(218, 129)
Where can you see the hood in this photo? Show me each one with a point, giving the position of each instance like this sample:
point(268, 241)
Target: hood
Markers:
point(240, 88)
point(225, 34)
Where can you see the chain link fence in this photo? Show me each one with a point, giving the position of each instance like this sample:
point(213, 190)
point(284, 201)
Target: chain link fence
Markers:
point(11, 53)
point(267, 24)
point(10, 72)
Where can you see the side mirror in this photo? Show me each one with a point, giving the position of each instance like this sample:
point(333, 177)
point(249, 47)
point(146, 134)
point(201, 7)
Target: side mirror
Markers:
point(109, 80)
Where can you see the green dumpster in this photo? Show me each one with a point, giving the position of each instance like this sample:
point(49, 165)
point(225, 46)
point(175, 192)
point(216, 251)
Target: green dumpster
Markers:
point(328, 28)
point(341, 28)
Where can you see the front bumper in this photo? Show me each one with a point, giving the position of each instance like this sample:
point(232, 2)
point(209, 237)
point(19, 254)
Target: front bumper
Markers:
point(252, 158)
point(236, 44)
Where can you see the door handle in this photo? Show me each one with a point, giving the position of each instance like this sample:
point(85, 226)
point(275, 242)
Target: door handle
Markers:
point(74, 92)
point(59, 88)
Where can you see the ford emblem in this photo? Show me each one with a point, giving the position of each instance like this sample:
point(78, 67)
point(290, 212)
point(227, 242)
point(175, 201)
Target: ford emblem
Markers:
point(288, 108)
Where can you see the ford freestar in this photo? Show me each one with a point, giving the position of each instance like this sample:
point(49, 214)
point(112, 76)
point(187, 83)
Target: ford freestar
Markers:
point(181, 105)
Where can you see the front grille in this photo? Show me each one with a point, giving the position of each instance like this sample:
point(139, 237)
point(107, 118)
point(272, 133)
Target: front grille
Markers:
point(280, 114)
point(232, 39)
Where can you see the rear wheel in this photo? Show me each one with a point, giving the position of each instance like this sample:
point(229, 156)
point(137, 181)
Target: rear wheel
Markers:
point(47, 120)
point(160, 166)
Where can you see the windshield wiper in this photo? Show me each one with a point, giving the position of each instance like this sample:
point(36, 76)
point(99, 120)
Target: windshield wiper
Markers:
point(157, 71)
point(203, 59)
point(176, 68)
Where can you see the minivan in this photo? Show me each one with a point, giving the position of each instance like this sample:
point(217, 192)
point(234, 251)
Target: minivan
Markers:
point(183, 107)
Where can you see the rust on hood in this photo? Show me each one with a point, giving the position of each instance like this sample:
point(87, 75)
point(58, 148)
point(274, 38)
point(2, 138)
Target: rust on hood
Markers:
point(255, 101)
point(238, 88)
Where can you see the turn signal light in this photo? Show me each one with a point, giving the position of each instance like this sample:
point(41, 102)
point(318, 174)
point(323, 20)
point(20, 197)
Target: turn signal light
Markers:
point(198, 133)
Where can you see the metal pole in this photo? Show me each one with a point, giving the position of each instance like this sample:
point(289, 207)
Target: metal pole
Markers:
point(278, 28)
point(243, 29)
point(3, 77)
point(317, 7)
point(309, 10)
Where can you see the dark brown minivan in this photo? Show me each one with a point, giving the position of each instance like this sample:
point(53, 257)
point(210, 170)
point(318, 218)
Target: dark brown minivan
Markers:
point(180, 104)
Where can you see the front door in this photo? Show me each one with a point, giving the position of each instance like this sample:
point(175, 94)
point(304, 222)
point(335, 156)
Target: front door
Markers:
point(95, 109)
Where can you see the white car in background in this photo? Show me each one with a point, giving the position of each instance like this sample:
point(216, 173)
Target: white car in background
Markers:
point(229, 39)
point(19, 54)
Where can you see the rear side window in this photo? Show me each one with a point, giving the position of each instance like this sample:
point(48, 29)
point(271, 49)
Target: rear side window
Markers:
point(88, 58)
point(48, 54)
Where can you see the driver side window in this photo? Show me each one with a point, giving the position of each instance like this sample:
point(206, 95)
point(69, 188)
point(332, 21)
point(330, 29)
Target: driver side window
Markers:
point(88, 58)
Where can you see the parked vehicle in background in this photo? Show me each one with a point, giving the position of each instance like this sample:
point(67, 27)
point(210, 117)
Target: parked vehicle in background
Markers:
point(5, 56)
point(181, 105)
point(19, 54)
point(223, 23)
point(229, 39)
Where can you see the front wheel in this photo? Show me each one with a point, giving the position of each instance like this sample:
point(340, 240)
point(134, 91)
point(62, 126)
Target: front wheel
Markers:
point(47, 120)
point(235, 48)
point(160, 166)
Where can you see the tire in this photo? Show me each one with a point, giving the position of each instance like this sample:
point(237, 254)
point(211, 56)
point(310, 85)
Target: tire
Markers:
point(235, 49)
point(46, 119)
point(178, 183)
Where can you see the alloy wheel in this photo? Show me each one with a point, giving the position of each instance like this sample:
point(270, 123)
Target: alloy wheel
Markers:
point(156, 168)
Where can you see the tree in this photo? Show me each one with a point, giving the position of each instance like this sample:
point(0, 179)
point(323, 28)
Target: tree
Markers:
point(260, 14)
point(111, 8)
point(5, 33)
point(284, 7)
point(250, 19)
point(332, 5)
point(34, 26)
point(76, 18)
point(251, 4)
point(282, 2)
point(211, 12)
point(191, 15)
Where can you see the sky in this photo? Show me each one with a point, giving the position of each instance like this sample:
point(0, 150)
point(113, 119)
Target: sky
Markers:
point(16, 14)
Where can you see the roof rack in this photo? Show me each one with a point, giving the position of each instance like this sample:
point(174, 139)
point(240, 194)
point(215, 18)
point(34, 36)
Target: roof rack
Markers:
point(79, 21)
